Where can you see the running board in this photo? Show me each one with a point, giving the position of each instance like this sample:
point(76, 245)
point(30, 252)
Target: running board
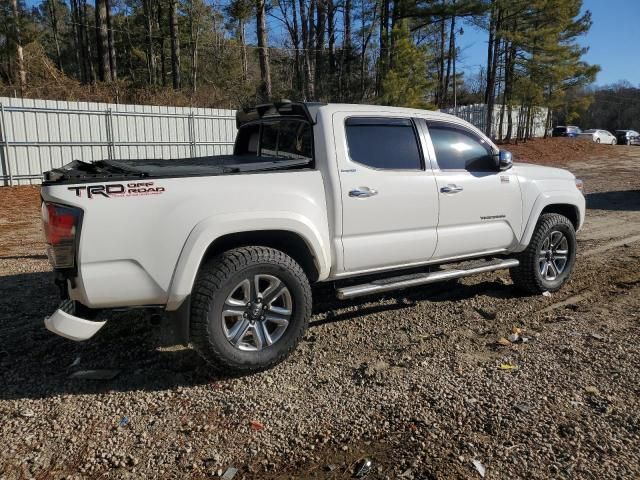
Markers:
point(406, 281)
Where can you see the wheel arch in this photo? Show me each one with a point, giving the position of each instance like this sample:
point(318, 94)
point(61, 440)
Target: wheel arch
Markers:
point(570, 205)
point(566, 210)
point(291, 243)
point(294, 235)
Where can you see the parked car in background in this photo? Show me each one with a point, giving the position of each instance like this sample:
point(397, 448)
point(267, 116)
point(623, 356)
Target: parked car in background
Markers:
point(599, 136)
point(568, 131)
point(628, 137)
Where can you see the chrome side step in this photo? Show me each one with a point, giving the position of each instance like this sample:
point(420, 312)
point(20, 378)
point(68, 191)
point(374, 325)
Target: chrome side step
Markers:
point(406, 281)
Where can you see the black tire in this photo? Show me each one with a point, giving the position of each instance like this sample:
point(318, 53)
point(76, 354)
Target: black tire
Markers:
point(527, 276)
point(216, 281)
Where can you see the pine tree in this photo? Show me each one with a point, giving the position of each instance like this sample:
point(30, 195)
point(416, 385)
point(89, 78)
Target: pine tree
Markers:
point(407, 83)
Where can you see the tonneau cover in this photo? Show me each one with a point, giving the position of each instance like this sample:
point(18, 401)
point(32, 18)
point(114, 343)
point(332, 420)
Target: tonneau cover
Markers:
point(113, 170)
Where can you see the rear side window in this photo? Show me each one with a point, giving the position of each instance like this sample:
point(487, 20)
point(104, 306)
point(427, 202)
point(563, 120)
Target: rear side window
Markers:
point(286, 139)
point(383, 143)
point(457, 148)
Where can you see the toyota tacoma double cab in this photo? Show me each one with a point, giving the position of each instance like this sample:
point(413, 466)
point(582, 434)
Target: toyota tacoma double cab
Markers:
point(368, 198)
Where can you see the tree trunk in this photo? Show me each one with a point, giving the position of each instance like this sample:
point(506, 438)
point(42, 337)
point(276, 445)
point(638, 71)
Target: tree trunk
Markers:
point(509, 71)
point(492, 67)
point(151, 59)
point(346, 48)
point(132, 74)
point(440, 88)
point(321, 18)
point(88, 58)
point(77, 41)
point(195, 37)
point(53, 16)
point(383, 61)
point(331, 37)
point(263, 52)
point(243, 51)
point(175, 44)
point(102, 41)
point(445, 88)
point(312, 42)
point(547, 122)
point(309, 90)
point(112, 44)
point(162, 40)
point(296, 43)
point(21, 74)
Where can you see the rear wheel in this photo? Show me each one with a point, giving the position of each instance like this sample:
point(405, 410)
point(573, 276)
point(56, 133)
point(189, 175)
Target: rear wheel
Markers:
point(597, 140)
point(614, 141)
point(547, 262)
point(250, 307)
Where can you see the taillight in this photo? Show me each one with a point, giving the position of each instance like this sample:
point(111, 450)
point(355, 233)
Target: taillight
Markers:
point(61, 224)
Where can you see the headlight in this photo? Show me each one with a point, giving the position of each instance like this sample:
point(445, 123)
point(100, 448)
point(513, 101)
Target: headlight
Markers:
point(580, 185)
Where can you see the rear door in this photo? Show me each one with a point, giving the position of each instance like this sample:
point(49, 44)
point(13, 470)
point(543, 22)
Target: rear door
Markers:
point(480, 206)
point(389, 197)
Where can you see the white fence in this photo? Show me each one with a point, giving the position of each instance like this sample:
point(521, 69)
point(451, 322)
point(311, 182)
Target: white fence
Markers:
point(38, 135)
point(477, 115)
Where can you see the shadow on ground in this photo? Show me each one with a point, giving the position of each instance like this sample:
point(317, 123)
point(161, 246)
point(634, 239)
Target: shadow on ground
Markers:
point(35, 363)
point(625, 200)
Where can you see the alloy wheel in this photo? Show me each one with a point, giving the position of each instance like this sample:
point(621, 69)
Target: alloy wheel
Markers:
point(553, 256)
point(257, 312)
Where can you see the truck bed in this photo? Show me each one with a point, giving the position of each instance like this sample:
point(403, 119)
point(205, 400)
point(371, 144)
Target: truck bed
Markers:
point(114, 170)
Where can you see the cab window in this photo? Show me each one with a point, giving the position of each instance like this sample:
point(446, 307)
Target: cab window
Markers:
point(286, 139)
point(457, 148)
point(383, 143)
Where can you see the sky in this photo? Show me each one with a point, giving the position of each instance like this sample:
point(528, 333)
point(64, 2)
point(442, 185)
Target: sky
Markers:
point(613, 41)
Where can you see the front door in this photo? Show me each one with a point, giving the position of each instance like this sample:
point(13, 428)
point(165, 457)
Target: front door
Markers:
point(389, 196)
point(480, 206)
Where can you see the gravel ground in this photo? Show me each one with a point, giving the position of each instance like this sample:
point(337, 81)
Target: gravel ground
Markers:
point(411, 381)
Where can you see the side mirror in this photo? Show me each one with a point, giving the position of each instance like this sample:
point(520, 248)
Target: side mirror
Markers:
point(505, 160)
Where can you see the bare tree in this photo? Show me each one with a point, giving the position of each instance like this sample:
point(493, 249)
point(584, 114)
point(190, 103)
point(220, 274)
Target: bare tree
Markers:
point(112, 45)
point(346, 48)
point(102, 41)
point(263, 49)
point(21, 74)
point(53, 20)
point(175, 44)
point(151, 59)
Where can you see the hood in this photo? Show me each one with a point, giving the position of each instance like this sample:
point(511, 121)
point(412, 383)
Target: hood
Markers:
point(539, 172)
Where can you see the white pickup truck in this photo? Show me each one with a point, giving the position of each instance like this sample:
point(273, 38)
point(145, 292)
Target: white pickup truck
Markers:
point(369, 198)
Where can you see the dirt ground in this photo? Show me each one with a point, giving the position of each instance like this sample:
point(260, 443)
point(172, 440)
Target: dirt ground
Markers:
point(411, 381)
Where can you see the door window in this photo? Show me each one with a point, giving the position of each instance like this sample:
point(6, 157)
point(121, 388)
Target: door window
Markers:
point(383, 143)
point(457, 148)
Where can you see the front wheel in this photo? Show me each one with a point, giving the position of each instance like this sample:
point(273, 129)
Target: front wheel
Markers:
point(249, 309)
point(547, 262)
point(614, 141)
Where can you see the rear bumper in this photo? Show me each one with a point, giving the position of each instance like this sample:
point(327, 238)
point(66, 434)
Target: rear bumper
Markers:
point(69, 326)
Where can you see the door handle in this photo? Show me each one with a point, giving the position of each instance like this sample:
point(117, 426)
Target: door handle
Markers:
point(451, 189)
point(363, 192)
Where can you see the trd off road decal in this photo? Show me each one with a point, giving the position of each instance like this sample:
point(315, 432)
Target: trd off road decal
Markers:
point(133, 189)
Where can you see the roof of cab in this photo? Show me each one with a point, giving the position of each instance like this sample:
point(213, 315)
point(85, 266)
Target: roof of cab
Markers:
point(331, 108)
point(310, 111)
